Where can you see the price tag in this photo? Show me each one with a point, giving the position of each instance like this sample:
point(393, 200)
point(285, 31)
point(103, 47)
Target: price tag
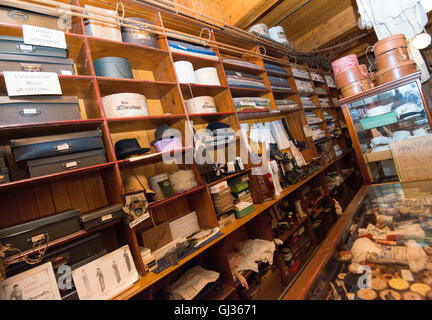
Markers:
point(31, 83)
point(106, 217)
point(71, 164)
point(44, 37)
point(30, 111)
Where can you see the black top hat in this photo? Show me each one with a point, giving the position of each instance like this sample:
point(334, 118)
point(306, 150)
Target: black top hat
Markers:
point(215, 125)
point(127, 147)
point(159, 133)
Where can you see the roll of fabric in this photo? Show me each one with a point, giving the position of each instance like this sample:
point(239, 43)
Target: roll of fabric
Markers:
point(207, 76)
point(113, 67)
point(185, 72)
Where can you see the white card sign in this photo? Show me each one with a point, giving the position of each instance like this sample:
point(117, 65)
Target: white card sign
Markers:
point(43, 37)
point(31, 83)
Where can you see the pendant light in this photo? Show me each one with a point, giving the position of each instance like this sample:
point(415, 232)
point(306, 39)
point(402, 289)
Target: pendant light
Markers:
point(427, 5)
point(422, 40)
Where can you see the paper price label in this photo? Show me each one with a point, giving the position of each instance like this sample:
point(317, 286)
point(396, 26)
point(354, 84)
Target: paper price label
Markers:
point(44, 37)
point(71, 164)
point(31, 83)
point(106, 217)
point(307, 131)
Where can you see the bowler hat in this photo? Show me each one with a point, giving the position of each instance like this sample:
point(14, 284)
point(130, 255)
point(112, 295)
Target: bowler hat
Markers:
point(127, 147)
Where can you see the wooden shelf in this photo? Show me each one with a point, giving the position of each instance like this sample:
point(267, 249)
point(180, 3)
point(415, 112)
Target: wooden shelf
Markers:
point(248, 70)
point(198, 62)
point(288, 233)
point(175, 196)
point(69, 123)
point(230, 176)
point(152, 157)
point(58, 175)
point(246, 91)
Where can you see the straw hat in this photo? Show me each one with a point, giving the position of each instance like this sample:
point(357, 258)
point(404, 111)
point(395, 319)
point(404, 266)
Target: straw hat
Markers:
point(134, 184)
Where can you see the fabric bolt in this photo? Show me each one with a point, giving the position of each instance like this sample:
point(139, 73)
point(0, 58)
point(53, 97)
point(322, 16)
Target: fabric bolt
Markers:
point(241, 63)
point(234, 74)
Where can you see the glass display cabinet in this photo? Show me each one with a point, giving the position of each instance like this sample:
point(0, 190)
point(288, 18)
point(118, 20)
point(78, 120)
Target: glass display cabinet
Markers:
point(383, 115)
point(392, 260)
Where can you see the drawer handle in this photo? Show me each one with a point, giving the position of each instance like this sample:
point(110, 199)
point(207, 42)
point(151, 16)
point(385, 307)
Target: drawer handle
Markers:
point(37, 239)
point(31, 67)
point(25, 47)
point(71, 165)
point(18, 15)
point(63, 147)
point(30, 112)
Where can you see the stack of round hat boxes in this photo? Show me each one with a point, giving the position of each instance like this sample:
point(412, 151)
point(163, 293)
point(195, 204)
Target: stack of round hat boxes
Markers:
point(392, 62)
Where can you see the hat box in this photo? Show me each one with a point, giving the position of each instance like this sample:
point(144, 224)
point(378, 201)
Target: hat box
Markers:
point(169, 144)
point(389, 43)
point(106, 30)
point(16, 45)
point(50, 165)
point(125, 105)
point(343, 63)
point(277, 34)
point(113, 67)
point(27, 63)
point(356, 87)
point(207, 76)
point(395, 72)
point(203, 104)
point(185, 72)
point(24, 236)
point(49, 146)
point(140, 37)
point(261, 29)
point(391, 58)
point(38, 109)
point(350, 75)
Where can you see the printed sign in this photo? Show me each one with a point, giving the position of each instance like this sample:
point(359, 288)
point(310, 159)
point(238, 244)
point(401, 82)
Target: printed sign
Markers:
point(44, 37)
point(31, 83)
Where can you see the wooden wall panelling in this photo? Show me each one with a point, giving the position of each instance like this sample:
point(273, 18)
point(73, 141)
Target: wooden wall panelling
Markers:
point(215, 258)
point(44, 200)
point(8, 210)
point(77, 193)
point(61, 196)
point(25, 202)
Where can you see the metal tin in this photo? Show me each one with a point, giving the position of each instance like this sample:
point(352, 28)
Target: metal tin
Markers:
point(203, 104)
point(113, 67)
point(49, 146)
point(207, 76)
point(38, 109)
point(19, 62)
point(125, 105)
point(45, 166)
point(101, 216)
point(17, 16)
point(26, 235)
point(185, 72)
point(16, 45)
point(140, 37)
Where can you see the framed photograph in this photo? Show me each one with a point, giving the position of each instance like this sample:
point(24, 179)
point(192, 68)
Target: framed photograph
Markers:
point(38, 283)
point(107, 276)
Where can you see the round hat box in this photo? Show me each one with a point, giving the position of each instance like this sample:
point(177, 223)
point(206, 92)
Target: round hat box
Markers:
point(207, 76)
point(277, 34)
point(341, 64)
point(395, 72)
point(391, 58)
point(356, 87)
point(113, 67)
point(350, 75)
point(185, 72)
point(204, 104)
point(261, 29)
point(389, 43)
point(125, 105)
point(140, 37)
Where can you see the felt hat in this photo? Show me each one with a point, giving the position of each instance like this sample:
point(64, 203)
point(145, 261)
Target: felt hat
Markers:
point(137, 183)
point(127, 147)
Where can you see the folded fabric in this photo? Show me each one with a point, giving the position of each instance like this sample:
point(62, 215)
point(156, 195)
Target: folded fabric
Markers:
point(192, 282)
point(273, 79)
point(247, 86)
point(253, 252)
point(189, 49)
point(274, 68)
point(241, 63)
point(237, 74)
point(300, 73)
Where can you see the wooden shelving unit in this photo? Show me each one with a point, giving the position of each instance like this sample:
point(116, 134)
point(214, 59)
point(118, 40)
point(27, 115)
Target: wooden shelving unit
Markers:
point(26, 199)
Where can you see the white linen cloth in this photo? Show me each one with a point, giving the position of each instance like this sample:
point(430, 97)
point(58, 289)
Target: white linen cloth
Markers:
point(390, 17)
point(253, 251)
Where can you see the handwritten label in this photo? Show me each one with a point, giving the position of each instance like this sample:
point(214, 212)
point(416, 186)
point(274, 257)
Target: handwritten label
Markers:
point(411, 157)
point(31, 83)
point(44, 37)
